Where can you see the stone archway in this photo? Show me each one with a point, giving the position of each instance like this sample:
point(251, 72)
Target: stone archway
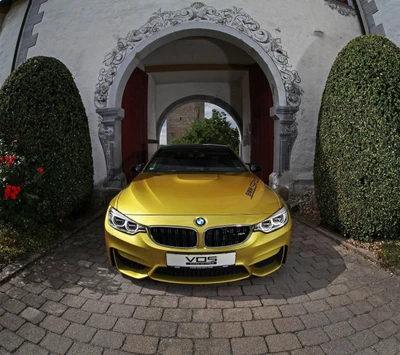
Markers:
point(204, 98)
point(232, 25)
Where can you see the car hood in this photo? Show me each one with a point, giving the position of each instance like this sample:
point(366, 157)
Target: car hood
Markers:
point(197, 194)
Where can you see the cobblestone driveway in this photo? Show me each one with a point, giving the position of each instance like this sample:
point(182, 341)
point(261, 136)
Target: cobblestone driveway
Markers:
point(325, 300)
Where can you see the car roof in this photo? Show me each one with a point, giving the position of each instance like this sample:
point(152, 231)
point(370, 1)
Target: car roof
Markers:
point(191, 146)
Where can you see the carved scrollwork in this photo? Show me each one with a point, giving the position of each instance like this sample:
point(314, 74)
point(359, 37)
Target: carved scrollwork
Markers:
point(290, 131)
point(106, 136)
point(198, 5)
point(233, 17)
point(106, 132)
point(342, 8)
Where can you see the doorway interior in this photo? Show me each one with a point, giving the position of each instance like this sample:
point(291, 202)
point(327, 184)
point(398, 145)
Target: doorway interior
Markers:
point(185, 71)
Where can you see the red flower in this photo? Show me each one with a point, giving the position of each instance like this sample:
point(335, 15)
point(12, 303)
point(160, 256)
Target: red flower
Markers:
point(11, 191)
point(14, 157)
point(8, 158)
point(7, 192)
point(40, 170)
point(1, 159)
point(9, 163)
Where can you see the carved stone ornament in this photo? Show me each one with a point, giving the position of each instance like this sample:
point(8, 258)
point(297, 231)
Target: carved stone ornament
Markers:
point(290, 130)
point(234, 18)
point(106, 136)
point(107, 132)
point(198, 5)
point(342, 8)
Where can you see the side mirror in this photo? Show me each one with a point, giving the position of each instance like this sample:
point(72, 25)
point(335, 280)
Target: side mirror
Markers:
point(137, 168)
point(254, 168)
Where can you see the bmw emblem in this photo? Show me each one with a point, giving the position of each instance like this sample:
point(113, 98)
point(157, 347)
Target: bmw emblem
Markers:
point(200, 221)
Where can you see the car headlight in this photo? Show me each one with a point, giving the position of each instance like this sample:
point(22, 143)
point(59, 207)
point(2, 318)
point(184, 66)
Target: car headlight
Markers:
point(124, 224)
point(276, 221)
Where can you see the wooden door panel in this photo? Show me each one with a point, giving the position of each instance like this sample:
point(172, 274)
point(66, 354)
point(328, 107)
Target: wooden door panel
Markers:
point(134, 124)
point(262, 126)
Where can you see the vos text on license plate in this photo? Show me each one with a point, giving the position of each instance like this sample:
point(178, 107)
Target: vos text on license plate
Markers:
point(201, 260)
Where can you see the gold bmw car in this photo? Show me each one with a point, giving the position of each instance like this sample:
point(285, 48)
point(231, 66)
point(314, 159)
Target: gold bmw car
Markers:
point(197, 214)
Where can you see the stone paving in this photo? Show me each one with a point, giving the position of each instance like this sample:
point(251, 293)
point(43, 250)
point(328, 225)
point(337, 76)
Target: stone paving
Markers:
point(325, 300)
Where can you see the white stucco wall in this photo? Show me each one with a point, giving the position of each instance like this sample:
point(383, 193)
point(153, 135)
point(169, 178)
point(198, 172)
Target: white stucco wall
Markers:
point(9, 36)
point(388, 15)
point(81, 33)
point(314, 69)
point(323, 39)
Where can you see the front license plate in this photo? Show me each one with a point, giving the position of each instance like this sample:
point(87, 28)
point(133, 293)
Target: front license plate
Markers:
point(201, 260)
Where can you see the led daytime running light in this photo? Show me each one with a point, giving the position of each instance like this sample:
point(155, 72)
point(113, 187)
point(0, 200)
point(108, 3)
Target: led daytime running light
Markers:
point(276, 221)
point(124, 224)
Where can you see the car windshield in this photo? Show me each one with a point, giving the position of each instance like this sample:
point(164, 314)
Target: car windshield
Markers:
point(195, 159)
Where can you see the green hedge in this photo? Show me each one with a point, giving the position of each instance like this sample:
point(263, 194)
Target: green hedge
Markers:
point(42, 112)
point(213, 130)
point(357, 157)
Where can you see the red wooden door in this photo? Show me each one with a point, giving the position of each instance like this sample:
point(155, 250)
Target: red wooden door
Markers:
point(134, 124)
point(262, 125)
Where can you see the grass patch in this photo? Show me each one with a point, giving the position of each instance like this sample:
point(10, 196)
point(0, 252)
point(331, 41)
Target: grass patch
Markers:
point(389, 254)
point(16, 244)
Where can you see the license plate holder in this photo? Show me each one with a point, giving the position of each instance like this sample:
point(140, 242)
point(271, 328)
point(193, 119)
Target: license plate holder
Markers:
point(201, 261)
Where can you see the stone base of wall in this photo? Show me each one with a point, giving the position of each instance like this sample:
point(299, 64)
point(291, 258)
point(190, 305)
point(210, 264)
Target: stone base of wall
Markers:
point(102, 196)
point(301, 186)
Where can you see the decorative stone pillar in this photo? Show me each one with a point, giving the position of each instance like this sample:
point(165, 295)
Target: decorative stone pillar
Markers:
point(285, 135)
point(110, 138)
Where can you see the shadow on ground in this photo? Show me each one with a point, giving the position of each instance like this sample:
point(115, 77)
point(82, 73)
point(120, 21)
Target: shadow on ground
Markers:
point(313, 265)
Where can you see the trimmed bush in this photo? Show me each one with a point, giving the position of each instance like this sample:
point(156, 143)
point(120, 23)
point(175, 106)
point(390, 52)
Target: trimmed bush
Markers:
point(43, 117)
point(357, 157)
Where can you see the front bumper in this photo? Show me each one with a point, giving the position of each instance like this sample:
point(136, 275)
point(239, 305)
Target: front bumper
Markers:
point(138, 256)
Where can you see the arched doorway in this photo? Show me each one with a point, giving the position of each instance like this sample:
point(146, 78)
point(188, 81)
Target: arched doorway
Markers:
point(202, 98)
point(231, 25)
point(177, 120)
point(261, 126)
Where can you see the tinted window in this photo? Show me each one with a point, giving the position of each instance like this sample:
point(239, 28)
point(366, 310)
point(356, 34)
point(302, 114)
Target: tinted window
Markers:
point(195, 159)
